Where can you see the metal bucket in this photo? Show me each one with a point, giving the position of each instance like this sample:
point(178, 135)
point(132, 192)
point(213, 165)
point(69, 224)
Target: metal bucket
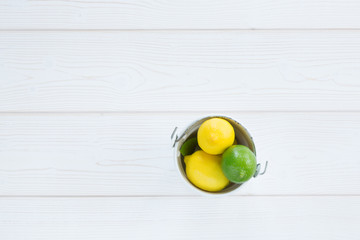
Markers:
point(242, 136)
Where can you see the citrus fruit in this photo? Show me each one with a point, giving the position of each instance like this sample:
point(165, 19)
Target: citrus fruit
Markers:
point(215, 135)
point(238, 163)
point(189, 146)
point(204, 171)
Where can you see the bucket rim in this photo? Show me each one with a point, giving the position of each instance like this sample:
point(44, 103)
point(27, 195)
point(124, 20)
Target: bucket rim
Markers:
point(190, 130)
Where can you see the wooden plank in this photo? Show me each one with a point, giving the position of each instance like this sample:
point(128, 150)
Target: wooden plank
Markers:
point(130, 154)
point(178, 218)
point(179, 14)
point(186, 71)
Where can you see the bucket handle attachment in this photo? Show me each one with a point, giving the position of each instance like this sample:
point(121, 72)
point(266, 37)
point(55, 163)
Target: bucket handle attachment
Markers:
point(258, 168)
point(174, 136)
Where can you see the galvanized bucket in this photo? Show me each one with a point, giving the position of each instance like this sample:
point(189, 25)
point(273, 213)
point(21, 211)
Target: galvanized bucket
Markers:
point(242, 136)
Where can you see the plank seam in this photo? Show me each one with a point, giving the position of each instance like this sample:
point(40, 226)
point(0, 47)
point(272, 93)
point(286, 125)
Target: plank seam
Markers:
point(173, 196)
point(172, 29)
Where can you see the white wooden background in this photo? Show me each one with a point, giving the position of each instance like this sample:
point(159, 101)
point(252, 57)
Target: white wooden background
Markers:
point(90, 92)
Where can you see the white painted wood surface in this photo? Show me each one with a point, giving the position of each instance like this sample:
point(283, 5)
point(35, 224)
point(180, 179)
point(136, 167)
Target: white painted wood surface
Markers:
point(181, 217)
point(90, 92)
point(179, 14)
point(180, 71)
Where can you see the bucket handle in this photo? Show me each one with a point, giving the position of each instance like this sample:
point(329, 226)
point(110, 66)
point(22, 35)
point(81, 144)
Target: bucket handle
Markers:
point(258, 168)
point(175, 138)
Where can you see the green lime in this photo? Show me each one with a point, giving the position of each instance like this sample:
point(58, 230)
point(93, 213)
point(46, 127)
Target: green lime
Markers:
point(189, 146)
point(238, 163)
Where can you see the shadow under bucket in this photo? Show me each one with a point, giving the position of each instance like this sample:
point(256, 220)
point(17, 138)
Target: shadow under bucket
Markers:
point(242, 136)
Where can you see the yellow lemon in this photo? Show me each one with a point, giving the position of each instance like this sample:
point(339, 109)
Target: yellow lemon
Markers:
point(204, 171)
point(215, 136)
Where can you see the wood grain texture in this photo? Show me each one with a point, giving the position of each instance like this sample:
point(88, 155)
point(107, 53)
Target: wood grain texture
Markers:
point(90, 91)
point(280, 218)
point(186, 71)
point(178, 14)
point(130, 154)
